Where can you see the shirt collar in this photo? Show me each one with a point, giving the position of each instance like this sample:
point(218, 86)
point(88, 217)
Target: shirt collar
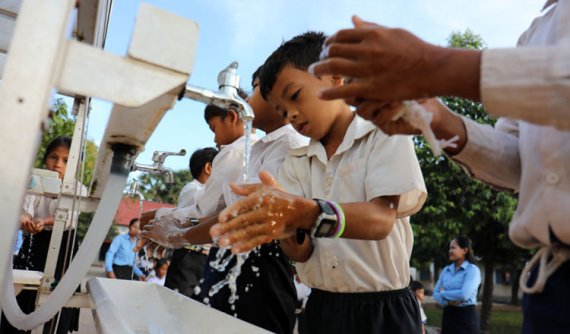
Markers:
point(463, 266)
point(357, 129)
point(240, 141)
point(273, 136)
point(548, 3)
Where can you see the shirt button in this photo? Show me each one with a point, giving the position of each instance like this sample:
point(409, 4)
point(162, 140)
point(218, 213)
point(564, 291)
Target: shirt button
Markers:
point(552, 178)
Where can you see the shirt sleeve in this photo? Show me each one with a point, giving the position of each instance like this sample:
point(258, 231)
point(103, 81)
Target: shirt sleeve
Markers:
point(436, 294)
point(393, 169)
point(137, 271)
point(470, 284)
point(530, 83)
point(226, 168)
point(110, 255)
point(186, 197)
point(492, 154)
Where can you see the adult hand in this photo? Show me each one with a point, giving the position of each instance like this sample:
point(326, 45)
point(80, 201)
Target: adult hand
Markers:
point(142, 278)
point(267, 213)
point(111, 274)
point(166, 231)
point(385, 64)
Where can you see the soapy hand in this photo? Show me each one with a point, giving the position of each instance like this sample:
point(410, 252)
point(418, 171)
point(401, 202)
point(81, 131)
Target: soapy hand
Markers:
point(267, 213)
point(167, 231)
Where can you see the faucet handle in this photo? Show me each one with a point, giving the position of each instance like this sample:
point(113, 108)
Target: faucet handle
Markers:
point(160, 156)
point(229, 77)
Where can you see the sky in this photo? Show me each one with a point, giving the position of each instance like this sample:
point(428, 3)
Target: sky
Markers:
point(247, 31)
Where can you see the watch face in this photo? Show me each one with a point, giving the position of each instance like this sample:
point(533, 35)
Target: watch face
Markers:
point(326, 227)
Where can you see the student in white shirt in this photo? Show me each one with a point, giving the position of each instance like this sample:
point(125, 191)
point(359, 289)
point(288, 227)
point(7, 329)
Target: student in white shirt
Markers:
point(527, 151)
point(187, 263)
point(365, 185)
point(265, 286)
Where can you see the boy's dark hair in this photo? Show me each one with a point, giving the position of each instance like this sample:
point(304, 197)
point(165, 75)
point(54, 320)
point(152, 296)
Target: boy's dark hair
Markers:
point(256, 74)
point(299, 52)
point(160, 263)
point(200, 158)
point(416, 285)
point(212, 111)
point(134, 220)
point(59, 141)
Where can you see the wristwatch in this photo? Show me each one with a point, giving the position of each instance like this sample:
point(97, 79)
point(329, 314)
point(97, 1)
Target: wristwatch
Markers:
point(326, 222)
point(194, 221)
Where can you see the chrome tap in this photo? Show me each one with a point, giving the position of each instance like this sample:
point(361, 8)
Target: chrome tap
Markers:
point(134, 191)
point(157, 166)
point(227, 95)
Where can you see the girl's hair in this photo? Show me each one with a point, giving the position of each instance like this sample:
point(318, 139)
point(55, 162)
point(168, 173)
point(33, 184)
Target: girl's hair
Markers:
point(465, 242)
point(59, 141)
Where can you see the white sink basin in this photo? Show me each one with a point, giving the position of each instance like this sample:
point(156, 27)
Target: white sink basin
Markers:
point(126, 307)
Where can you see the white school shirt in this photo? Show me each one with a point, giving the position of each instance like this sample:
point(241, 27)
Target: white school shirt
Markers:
point(226, 167)
point(187, 197)
point(528, 84)
point(366, 165)
point(268, 154)
point(39, 206)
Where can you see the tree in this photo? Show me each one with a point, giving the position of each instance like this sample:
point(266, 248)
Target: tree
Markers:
point(459, 205)
point(154, 187)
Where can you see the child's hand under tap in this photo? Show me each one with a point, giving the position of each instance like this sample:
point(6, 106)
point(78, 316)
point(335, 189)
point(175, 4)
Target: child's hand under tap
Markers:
point(166, 231)
point(267, 213)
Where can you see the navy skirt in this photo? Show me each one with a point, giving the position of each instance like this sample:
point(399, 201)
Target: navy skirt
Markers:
point(460, 320)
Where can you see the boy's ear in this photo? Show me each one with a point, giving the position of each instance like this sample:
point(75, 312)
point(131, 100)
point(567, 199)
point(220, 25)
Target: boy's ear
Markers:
point(233, 117)
point(208, 168)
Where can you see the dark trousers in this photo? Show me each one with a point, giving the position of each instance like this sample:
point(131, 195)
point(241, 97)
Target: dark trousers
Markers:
point(391, 312)
point(548, 311)
point(460, 320)
point(185, 271)
point(123, 272)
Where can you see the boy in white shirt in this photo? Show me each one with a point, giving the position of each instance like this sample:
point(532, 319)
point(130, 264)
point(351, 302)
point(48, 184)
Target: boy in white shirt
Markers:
point(359, 282)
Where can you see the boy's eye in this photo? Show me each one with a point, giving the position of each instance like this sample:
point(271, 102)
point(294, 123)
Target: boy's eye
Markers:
point(295, 95)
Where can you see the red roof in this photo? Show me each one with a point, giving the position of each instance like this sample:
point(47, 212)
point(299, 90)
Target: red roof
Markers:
point(129, 208)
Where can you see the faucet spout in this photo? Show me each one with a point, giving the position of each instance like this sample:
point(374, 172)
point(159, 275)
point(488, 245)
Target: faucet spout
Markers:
point(157, 166)
point(226, 97)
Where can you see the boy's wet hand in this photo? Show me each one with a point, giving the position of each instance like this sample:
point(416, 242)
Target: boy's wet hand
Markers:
point(166, 231)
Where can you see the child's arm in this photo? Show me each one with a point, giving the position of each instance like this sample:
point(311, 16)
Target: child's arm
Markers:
point(170, 232)
point(269, 213)
point(295, 251)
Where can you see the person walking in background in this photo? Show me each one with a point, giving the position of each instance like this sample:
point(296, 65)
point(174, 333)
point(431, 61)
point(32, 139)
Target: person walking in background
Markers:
point(120, 258)
point(158, 276)
point(456, 289)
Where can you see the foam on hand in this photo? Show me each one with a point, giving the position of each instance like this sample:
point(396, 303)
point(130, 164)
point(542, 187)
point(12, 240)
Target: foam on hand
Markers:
point(418, 117)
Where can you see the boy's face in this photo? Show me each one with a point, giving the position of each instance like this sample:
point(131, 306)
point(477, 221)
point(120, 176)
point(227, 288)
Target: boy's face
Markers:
point(420, 295)
point(265, 115)
point(224, 131)
point(295, 97)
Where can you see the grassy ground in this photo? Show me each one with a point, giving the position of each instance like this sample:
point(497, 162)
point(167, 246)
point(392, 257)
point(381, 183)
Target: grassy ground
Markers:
point(504, 320)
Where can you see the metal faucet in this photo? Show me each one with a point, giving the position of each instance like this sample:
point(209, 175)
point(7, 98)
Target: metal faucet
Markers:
point(134, 191)
point(157, 166)
point(227, 95)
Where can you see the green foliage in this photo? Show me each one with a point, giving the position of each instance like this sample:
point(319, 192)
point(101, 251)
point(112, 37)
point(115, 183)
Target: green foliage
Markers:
point(154, 187)
point(62, 123)
point(466, 40)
